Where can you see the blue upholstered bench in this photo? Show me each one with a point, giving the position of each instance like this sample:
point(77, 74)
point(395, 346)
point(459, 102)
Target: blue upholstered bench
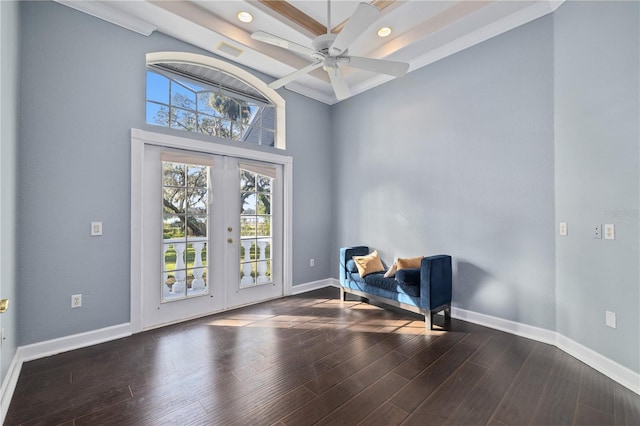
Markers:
point(425, 290)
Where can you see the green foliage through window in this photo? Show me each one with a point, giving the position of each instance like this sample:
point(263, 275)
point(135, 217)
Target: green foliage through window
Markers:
point(178, 103)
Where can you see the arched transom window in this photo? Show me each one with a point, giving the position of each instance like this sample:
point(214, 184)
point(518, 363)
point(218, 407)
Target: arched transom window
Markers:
point(212, 98)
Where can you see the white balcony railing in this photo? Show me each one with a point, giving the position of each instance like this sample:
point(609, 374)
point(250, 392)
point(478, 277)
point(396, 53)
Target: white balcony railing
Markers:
point(181, 288)
point(262, 268)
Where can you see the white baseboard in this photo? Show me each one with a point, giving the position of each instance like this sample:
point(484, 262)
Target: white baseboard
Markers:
point(314, 285)
point(9, 385)
point(626, 377)
point(334, 282)
point(512, 327)
point(621, 374)
point(52, 347)
point(75, 341)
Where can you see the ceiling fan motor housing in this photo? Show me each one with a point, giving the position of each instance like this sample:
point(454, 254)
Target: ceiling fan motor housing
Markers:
point(323, 42)
point(330, 52)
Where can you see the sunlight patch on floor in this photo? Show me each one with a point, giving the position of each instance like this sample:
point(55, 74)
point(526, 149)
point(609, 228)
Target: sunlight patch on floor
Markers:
point(333, 304)
point(348, 315)
point(229, 322)
point(366, 307)
point(314, 323)
point(250, 317)
point(292, 318)
point(387, 322)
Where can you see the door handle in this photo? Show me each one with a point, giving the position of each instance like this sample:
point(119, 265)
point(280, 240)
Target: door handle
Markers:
point(230, 240)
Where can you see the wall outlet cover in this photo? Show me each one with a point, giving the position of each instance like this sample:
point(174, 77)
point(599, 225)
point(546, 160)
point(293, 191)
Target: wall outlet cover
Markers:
point(564, 230)
point(76, 300)
point(596, 231)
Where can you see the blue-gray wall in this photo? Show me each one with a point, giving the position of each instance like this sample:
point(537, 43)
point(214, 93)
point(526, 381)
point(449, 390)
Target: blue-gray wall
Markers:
point(9, 97)
point(457, 158)
point(597, 137)
point(466, 156)
point(309, 141)
point(83, 88)
point(480, 155)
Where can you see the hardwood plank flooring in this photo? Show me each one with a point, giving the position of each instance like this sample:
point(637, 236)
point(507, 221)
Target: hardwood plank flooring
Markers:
point(312, 359)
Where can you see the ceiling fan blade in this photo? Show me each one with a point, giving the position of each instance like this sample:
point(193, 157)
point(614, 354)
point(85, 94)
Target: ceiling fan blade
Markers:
point(362, 18)
point(339, 83)
point(289, 78)
point(381, 66)
point(281, 42)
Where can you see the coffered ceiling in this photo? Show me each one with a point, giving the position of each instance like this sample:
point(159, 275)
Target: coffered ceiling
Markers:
point(423, 31)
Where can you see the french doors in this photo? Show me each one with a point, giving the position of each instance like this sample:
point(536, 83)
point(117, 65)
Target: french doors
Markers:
point(212, 233)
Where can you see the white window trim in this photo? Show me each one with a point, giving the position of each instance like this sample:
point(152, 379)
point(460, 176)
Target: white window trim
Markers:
point(237, 72)
point(140, 138)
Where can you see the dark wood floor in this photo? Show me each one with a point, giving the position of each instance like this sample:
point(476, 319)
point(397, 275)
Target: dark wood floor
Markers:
point(310, 359)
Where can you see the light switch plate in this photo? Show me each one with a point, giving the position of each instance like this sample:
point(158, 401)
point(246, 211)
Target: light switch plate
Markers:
point(609, 231)
point(610, 319)
point(96, 228)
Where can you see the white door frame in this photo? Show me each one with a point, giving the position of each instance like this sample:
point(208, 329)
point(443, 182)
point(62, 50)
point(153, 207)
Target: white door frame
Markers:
point(140, 138)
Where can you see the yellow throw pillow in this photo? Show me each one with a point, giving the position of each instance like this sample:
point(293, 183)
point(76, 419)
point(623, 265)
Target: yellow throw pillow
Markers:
point(392, 271)
point(412, 262)
point(368, 264)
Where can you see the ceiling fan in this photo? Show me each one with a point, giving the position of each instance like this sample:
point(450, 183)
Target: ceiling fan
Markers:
point(330, 51)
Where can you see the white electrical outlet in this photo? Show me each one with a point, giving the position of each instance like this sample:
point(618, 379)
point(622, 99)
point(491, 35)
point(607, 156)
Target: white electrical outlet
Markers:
point(609, 231)
point(564, 231)
point(312, 263)
point(610, 319)
point(596, 232)
point(76, 300)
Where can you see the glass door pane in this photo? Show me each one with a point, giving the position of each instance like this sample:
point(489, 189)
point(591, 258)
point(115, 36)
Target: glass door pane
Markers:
point(256, 232)
point(185, 204)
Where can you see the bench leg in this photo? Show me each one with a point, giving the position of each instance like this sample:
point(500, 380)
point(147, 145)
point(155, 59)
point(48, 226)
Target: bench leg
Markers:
point(343, 294)
point(447, 315)
point(427, 320)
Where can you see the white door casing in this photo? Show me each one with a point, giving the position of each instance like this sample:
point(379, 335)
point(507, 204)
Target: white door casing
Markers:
point(146, 147)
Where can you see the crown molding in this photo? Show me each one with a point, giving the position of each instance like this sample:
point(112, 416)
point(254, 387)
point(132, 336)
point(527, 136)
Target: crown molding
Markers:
point(535, 11)
point(109, 14)
point(104, 11)
point(311, 93)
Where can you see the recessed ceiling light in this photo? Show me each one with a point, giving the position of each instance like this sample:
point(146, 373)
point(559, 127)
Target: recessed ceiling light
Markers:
point(384, 31)
point(245, 17)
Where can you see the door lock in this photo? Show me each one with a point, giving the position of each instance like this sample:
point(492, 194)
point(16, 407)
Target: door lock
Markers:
point(229, 229)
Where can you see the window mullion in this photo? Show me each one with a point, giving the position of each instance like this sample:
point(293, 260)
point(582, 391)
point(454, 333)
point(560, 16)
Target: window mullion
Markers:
point(227, 114)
